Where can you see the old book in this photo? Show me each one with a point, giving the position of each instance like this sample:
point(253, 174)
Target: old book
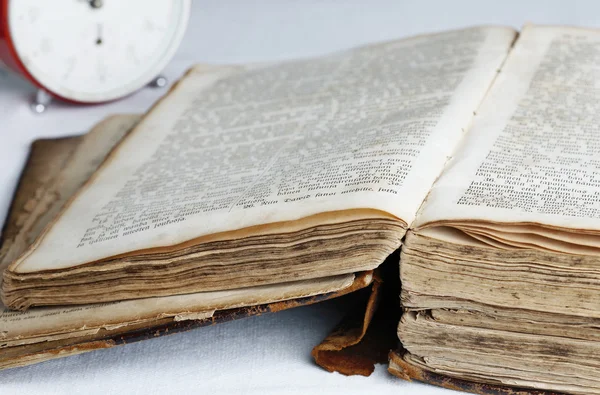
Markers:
point(248, 176)
point(54, 171)
point(501, 270)
point(309, 171)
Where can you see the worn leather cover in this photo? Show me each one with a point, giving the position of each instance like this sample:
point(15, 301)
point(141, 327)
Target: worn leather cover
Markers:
point(368, 333)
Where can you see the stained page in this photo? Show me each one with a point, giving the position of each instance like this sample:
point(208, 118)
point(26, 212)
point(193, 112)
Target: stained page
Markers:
point(366, 128)
point(533, 152)
point(22, 327)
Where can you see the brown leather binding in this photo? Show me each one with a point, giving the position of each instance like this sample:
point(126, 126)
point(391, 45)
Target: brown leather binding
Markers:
point(368, 333)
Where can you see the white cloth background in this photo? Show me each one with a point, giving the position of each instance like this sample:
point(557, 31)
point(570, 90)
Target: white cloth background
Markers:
point(268, 354)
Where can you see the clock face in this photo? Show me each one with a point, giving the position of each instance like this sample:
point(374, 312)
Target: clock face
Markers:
point(95, 50)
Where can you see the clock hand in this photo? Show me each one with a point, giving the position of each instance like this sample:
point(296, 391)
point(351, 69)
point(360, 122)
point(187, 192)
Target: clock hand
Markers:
point(99, 30)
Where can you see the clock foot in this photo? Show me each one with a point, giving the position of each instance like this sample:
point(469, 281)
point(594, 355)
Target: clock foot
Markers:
point(41, 101)
point(159, 82)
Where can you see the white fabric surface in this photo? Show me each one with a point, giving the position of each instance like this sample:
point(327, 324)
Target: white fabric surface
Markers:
point(268, 354)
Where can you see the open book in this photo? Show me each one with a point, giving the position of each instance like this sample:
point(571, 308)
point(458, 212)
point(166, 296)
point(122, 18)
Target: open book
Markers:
point(306, 172)
point(247, 176)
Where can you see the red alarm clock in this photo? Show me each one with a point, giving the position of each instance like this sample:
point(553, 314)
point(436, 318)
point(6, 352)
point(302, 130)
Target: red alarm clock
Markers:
point(90, 51)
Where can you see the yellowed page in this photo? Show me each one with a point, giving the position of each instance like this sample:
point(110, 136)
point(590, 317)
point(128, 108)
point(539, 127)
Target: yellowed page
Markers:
point(533, 152)
point(22, 327)
point(366, 128)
